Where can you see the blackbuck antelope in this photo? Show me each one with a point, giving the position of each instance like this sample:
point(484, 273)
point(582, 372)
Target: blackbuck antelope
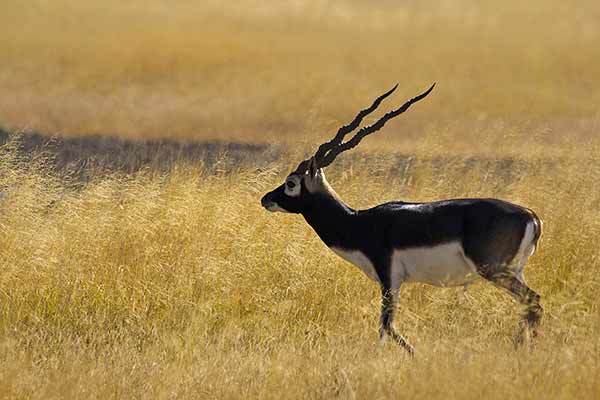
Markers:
point(444, 243)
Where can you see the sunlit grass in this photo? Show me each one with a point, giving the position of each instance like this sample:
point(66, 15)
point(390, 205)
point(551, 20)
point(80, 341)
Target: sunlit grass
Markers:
point(180, 285)
point(256, 71)
point(173, 282)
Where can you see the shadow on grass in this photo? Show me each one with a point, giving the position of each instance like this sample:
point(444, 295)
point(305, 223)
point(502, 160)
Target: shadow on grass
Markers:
point(97, 154)
point(88, 156)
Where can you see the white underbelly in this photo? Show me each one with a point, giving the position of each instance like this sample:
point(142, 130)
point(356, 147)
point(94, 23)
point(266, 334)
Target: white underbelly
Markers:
point(359, 259)
point(440, 265)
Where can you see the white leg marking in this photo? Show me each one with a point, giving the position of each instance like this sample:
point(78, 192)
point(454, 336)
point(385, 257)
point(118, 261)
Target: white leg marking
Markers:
point(526, 249)
point(398, 273)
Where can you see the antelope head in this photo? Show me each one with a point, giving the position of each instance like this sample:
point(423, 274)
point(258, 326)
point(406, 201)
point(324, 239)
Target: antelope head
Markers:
point(308, 181)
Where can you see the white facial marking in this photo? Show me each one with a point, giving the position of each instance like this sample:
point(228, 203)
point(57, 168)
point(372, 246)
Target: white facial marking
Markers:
point(274, 207)
point(293, 186)
point(359, 259)
point(441, 265)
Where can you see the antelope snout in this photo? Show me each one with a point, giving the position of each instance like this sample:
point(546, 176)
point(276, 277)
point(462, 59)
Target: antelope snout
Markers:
point(266, 200)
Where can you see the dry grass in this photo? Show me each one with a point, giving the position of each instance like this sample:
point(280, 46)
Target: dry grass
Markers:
point(258, 71)
point(180, 285)
point(176, 284)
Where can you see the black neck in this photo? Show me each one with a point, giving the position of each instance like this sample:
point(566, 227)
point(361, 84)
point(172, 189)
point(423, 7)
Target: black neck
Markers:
point(331, 219)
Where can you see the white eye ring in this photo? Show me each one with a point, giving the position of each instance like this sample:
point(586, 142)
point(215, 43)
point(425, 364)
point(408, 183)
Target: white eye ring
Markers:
point(292, 187)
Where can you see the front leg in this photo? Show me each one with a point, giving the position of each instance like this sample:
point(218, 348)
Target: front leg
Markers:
point(389, 294)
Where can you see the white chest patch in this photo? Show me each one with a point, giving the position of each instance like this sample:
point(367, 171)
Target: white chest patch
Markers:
point(441, 265)
point(359, 259)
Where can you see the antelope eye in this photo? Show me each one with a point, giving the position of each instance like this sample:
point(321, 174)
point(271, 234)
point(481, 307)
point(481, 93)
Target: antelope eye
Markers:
point(290, 184)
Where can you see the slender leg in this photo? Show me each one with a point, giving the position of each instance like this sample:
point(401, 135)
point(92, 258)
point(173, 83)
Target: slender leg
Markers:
point(388, 309)
point(519, 290)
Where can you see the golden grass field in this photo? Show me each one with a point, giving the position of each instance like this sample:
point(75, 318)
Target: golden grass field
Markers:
point(172, 282)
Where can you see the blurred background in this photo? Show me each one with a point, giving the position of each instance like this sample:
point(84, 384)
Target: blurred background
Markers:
point(270, 71)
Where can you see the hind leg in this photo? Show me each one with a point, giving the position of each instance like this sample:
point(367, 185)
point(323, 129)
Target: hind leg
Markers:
point(516, 286)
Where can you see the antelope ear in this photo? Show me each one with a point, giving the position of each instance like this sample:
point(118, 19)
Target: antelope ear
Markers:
point(313, 168)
